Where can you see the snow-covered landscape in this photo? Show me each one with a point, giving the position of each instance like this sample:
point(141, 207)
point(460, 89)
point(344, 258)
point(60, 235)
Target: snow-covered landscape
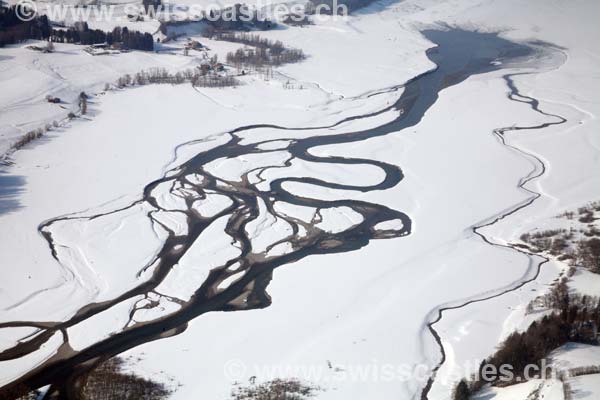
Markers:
point(379, 205)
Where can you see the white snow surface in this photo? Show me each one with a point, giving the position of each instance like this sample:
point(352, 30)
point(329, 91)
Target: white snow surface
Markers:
point(575, 355)
point(586, 387)
point(585, 282)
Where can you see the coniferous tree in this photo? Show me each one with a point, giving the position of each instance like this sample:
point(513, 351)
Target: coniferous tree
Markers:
point(461, 391)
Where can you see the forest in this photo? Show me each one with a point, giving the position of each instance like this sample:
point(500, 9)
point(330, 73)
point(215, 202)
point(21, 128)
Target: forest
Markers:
point(13, 30)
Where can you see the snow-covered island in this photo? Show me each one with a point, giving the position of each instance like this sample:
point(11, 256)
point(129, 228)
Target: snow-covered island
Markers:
point(398, 203)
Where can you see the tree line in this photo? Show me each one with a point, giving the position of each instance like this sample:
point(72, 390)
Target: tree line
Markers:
point(109, 380)
point(588, 254)
point(577, 320)
point(265, 52)
point(197, 77)
point(13, 30)
point(261, 57)
point(126, 38)
point(251, 39)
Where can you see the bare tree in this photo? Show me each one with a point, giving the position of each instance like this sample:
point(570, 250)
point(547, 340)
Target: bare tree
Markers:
point(83, 103)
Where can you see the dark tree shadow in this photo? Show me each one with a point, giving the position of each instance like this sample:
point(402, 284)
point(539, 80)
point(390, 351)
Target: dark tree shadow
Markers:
point(11, 186)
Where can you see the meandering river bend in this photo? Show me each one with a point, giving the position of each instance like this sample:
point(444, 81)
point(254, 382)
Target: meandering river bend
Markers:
point(458, 54)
